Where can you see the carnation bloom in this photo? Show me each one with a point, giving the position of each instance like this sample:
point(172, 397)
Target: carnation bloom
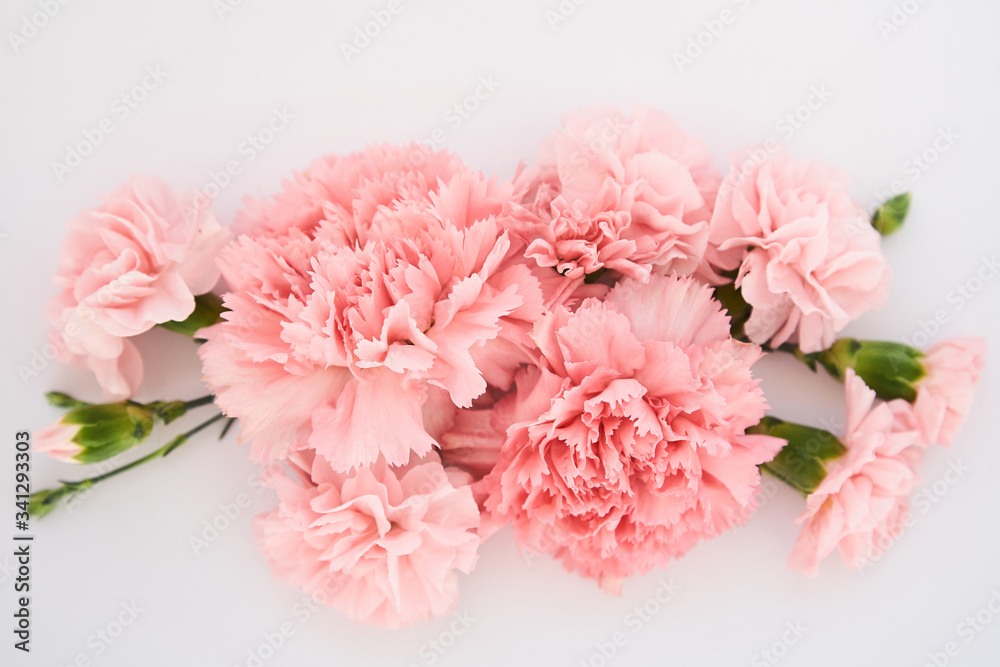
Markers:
point(335, 337)
point(383, 545)
point(615, 194)
point(630, 443)
point(808, 260)
point(944, 396)
point(134, 262)
point(864, 498)
point(349, 187)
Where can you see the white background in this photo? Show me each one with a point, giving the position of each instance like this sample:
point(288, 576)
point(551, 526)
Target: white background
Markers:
point(890, 97)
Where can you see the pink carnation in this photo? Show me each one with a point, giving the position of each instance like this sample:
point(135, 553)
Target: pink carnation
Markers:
point(349, 188)
point(814, 261)
point(630, 443)
point(134, 262)
point(623, 195)
point(383, 545)
point(864, 498)
point(944, 396)
point(335, 338)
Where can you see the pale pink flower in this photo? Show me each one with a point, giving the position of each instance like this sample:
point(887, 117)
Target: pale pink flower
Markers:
point(134, 262)
point(56, 440)
point(865, 495)
point(944, 396)
point(335, 338)
point(809, 262)
point(625, 195)
point(383, 545)
point(629, 443)
point(349, 188)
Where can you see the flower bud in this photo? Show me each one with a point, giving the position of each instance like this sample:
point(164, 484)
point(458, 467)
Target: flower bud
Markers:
point(42, 502)
point(891, 369)
point(891, 214)
point(61, 400)
point(94, 433)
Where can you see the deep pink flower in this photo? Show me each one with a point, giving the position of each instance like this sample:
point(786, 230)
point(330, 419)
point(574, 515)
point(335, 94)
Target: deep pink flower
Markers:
point(864, 498)
point(808, 259)
point(383, 545)
point(136, 261)
point(629, 445)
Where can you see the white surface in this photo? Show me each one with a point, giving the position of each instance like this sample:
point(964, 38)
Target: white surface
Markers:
point(224, 77)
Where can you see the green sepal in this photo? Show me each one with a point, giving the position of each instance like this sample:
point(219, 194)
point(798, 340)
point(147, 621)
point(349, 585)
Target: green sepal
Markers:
point(893, 370)
point(208, 310)
point(109, 429)
point(802, 461)
point(736, 307)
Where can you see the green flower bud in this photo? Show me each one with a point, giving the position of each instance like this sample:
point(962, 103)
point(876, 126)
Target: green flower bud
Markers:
point(61, 400)
point(891, 214)
point(802, 462)
point(106, 430)
point(893, 370)
point(42, 502)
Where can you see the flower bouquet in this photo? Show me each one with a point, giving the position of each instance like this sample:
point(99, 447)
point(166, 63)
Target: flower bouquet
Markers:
point(418, 355)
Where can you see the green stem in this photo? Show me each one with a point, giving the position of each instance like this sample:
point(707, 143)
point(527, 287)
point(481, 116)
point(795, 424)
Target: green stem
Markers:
point(198, 402)
point(44, 501)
